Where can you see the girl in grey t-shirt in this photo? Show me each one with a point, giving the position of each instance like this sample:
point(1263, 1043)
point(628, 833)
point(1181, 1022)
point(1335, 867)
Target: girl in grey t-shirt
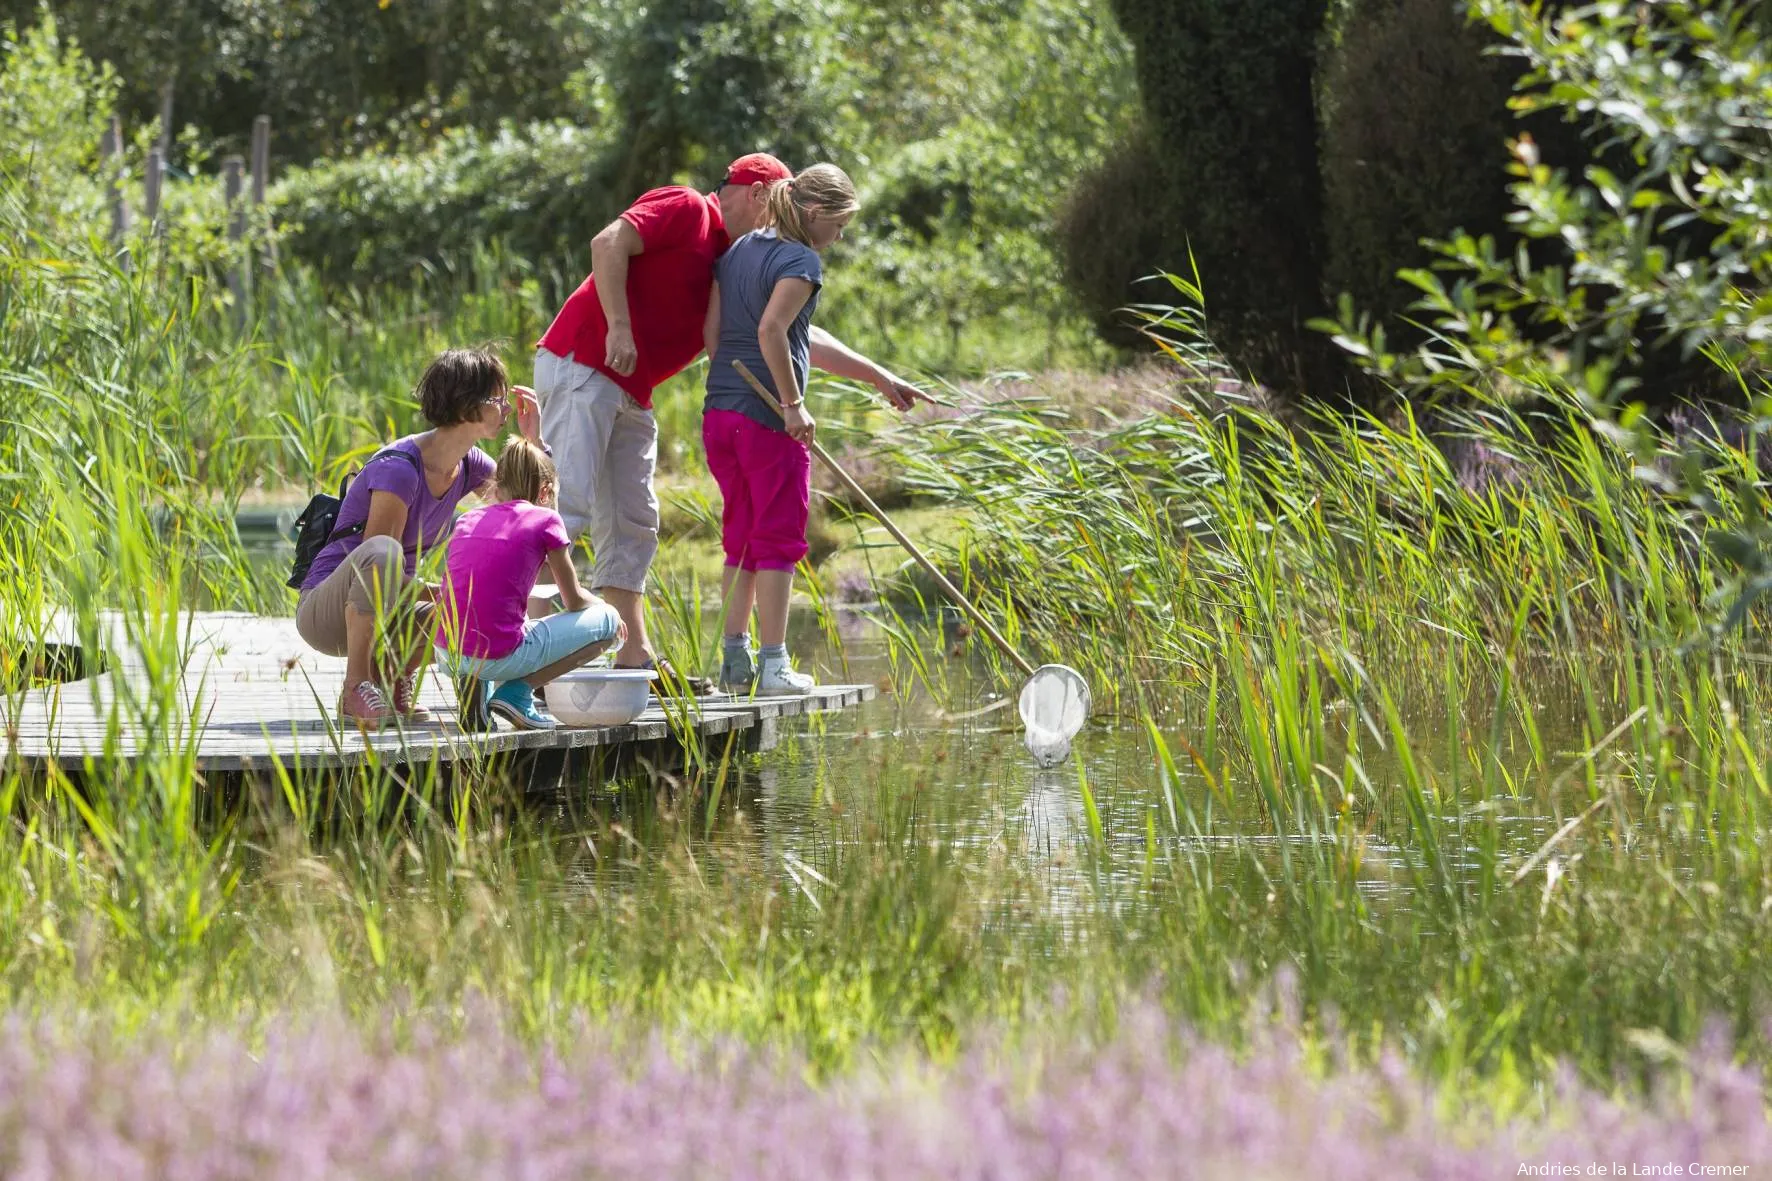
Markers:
point(765, 291)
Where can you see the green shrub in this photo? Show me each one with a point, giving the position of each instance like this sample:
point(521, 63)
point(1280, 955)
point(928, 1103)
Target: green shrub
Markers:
point(1227, 89)
point(54, 106)
point(375, 217)
point(1672, 264)
point(1116, 230)
point(949, 234)
point(698, 82)
point(962, 149)
point(335, 75)
point(1295, 154)
point(1415, 123)
point(1416, 120)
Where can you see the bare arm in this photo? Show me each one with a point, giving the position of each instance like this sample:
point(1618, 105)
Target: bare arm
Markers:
point(785, 302)
point(710, 327)
point(611, 249)
point(833, 356)
point(572, 595)
point(387, 518)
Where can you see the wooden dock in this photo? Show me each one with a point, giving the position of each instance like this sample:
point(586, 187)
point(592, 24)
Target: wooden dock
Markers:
point(252, 697)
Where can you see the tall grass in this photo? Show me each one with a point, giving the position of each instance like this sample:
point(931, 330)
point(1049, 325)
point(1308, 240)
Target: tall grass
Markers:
point(1420, 715)
point(1437, 718)
point(1363, 685)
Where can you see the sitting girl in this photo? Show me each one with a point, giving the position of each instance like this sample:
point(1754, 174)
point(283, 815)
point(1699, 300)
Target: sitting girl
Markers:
point(765, 291)
point(483, 633)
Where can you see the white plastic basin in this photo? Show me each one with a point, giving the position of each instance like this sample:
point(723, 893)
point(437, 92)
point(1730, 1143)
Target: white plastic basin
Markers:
point(599, 696)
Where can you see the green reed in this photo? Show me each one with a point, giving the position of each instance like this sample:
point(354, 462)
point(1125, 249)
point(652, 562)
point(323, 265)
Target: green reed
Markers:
point(1458, 758)
point(134, 884)
point(1495, 700)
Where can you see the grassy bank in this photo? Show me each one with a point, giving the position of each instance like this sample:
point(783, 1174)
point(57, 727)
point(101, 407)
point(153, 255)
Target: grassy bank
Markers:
point(1420, 727)
point(1350, 693)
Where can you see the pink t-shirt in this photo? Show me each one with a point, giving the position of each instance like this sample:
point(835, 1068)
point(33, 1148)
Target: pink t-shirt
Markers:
point(493, 558)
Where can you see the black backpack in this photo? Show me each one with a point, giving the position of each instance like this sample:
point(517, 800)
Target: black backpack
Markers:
point(314, 528)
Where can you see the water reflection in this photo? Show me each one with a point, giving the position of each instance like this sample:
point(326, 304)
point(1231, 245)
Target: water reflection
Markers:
point(1054, 811)
point(955, 756)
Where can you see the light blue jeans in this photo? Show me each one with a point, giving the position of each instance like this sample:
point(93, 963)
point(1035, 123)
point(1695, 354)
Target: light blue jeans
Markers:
point(544, 642)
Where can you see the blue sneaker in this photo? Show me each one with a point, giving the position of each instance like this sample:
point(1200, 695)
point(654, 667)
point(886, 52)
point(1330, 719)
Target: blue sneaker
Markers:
point(514, 701)
point(470, 707)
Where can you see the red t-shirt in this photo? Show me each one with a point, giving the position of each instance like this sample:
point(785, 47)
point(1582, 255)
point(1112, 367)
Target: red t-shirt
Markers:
point(668, 286)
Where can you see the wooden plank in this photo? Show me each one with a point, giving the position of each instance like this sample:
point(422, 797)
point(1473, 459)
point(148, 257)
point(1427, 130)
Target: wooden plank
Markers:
point(260, 699)
point(261, 158)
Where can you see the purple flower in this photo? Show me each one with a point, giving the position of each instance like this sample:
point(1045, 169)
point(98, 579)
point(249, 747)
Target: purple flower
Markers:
point(324, 1100)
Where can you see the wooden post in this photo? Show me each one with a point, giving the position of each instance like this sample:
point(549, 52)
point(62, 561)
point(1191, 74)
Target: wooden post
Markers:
point(261, 179)
point(151, 182)
point(233, 170)
point(233, 182)
point(111, 153)
point(166, 120)
point(261, 157)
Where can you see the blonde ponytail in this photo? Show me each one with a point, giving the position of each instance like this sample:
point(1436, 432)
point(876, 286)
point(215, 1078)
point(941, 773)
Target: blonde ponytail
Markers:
point(790, 205)
point(524, 470)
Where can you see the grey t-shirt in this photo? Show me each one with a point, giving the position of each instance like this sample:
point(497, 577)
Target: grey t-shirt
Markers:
point(747, 274)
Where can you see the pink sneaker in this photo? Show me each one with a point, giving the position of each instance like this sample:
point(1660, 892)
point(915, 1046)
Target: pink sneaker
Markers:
point(406, 700)
point(364, 704)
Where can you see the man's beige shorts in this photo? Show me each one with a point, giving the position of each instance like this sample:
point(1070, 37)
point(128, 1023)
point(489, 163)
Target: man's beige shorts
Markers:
point(606, 449)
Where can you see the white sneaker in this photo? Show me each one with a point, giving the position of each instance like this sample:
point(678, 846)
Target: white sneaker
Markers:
point(777, 678)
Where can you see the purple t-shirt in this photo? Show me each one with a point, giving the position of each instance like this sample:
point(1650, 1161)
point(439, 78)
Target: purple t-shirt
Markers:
point(428, 517)
point(493, 559)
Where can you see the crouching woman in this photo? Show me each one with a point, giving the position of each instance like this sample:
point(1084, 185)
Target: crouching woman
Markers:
point(361, 598)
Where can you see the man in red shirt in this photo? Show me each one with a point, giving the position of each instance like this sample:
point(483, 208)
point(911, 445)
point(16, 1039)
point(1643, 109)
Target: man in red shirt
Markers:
point(633, 323)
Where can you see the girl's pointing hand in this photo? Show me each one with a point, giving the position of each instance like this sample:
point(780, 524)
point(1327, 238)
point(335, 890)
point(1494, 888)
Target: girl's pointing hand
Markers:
point(901, 394)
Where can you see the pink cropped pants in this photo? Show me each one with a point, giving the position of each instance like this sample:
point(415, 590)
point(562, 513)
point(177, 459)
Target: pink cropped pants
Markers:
point(765, 479)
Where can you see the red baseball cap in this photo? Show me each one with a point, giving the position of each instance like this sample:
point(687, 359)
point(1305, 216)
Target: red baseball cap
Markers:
point(756, 168)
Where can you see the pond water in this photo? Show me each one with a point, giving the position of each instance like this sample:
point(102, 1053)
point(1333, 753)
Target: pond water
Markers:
point(959, 754)
point(960, 758)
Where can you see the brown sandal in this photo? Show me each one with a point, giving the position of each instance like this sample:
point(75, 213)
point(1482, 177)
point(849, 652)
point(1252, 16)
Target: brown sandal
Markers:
point(674, 684)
